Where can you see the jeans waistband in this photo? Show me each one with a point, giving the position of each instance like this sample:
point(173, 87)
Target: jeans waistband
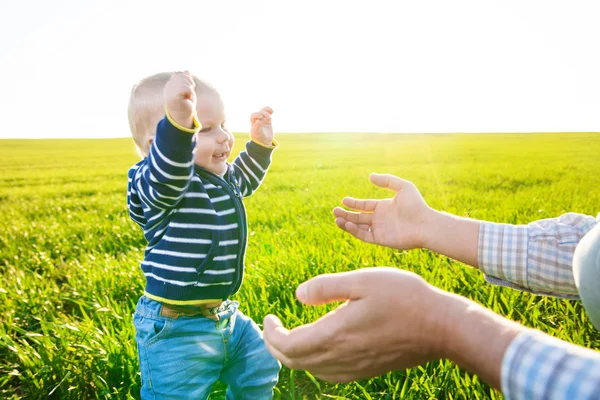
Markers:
point(210, 311)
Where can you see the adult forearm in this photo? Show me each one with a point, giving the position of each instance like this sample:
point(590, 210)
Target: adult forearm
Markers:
point(477, 339)
point(452, 236)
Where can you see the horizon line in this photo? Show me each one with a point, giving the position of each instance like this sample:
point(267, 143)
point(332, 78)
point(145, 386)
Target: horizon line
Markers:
point(327, 133)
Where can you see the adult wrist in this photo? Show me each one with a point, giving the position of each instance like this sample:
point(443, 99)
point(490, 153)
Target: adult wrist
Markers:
point(476, 338)
point(430, 220)
point(448, 316)
point(437, 305)
point(452, 236)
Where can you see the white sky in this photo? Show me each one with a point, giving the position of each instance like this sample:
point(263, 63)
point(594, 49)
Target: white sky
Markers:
point(66, 67)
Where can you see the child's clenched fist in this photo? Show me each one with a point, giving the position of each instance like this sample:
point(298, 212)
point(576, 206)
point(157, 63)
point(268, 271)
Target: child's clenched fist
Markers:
point(180, 99)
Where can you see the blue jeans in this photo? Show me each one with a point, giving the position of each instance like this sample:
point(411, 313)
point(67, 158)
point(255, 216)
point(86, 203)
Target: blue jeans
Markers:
point(181, 358)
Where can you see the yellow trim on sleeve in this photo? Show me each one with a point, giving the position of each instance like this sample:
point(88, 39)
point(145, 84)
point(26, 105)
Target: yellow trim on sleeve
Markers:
point(181, 302)
point(197, 124)
point(273, 146)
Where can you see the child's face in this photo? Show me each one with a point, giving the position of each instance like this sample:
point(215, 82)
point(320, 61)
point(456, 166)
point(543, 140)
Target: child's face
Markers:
point(214, 142)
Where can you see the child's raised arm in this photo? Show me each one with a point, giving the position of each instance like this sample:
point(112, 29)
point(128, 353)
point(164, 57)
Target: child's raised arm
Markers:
point(251, 166)
point(162, 181)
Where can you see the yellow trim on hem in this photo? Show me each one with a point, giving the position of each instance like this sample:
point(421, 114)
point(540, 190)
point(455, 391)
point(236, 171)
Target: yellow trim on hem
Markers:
point(181, 302)
point(273, 146)
point(197, 124)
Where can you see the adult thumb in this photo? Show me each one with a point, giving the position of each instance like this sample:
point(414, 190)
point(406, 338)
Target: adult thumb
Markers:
point(328, 288)
point(388, 181)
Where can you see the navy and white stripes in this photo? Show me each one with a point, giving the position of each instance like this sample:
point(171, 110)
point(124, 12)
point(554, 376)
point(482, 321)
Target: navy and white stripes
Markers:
point(193, 220)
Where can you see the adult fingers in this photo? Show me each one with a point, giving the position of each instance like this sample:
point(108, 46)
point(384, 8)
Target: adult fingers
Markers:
point(388, 181)
point(357, 218)
point(275, 336)
point(291, 347)
point(360, 205)
point(361, 231)
point(327, 288)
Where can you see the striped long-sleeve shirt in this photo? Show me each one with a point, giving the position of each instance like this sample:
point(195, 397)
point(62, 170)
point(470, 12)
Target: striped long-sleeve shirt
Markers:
point(538, 258)
point(193, 219)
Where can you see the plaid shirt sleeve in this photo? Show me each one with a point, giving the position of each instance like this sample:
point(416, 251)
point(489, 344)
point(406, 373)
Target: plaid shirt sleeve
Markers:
point(537, 366)
point(536, 257)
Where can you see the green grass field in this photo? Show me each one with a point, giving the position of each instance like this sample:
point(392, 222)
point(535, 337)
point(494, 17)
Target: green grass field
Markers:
point(69, 255)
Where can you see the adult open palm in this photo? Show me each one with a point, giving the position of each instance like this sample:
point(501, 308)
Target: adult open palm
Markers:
point(391, 320)
point(398, 222)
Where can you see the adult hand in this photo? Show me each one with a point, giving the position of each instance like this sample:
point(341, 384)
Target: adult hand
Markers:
point(392, 320)
point(400, 222)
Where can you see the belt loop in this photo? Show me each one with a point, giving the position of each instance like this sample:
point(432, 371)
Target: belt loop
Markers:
point(210, 315)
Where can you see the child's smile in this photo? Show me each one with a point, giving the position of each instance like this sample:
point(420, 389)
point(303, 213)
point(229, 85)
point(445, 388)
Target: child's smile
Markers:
point(214, 141)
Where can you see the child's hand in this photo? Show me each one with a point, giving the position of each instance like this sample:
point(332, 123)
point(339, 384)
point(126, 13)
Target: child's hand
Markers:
point(401, 222)
point(180, 98)
point(262, 129)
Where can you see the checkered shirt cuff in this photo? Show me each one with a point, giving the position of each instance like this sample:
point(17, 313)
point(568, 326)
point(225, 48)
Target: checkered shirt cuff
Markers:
point(537, 366)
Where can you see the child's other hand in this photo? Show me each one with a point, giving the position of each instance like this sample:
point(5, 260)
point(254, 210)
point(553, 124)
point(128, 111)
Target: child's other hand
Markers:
point(180, 98)
point(262, 129)
point(400, 222)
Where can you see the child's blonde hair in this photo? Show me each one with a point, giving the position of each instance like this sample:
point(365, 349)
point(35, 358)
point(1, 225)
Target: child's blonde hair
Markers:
point(146, 107)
